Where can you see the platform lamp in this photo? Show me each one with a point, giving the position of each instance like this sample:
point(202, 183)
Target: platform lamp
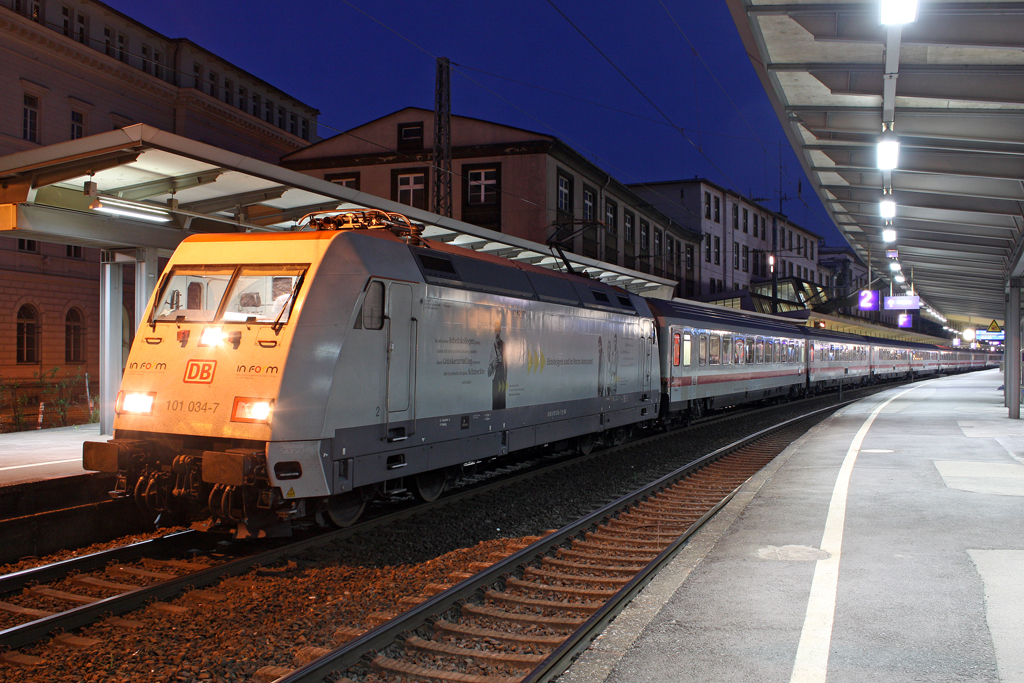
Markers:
point(888, 148)
point(898, 12)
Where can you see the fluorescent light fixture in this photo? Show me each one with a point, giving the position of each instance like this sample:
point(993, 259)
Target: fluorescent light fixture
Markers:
point(887, 208)
point(888, 151)
point(899, 278)
point(117, 207)
point(898, 11)
point(888, 235)
point(895, 267)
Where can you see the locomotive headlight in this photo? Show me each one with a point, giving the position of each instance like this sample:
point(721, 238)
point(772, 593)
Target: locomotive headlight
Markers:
point(135, 403)
point(212, 336)
point(251, 409)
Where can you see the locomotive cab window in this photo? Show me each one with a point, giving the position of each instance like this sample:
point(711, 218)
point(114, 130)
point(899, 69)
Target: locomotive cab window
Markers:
point(262, 294)
point(249, 294)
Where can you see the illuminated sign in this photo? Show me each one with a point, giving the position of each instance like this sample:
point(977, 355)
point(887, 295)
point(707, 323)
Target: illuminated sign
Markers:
point(990, 336)
point(902, 303)
point(868, 300)
point(906, 320)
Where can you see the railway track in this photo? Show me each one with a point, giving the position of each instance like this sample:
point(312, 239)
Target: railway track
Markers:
point(71, 594)
point(524, 619)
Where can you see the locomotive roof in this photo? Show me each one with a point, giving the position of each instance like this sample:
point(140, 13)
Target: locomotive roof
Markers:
point(723, 317)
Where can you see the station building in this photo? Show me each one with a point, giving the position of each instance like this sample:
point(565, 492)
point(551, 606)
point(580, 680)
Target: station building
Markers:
point(514, 181)
point(78, 68)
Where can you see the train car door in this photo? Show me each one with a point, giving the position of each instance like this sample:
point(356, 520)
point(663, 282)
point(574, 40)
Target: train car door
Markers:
point(646, 358)
point(401, 339)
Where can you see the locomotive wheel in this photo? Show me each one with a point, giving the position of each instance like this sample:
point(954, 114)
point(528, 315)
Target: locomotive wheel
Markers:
point(344, 509)
point(429, 486)
point(585, 444)
point(619, 436)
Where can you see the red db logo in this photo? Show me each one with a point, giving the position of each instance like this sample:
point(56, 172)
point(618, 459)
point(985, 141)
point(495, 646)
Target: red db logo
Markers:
point(199, 371)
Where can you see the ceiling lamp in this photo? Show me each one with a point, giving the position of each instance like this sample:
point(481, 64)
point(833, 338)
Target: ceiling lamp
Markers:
point(900, 278)
point(888, 235)
point(898, 11)
point(119, 207)
point(888, 151)
point(895, 267)
point(887, 208)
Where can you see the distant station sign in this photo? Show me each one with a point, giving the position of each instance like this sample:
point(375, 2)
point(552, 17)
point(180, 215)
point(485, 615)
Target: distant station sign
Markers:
point(868, 300)
point(905, 320)
point(990, 336)
point(902, 303)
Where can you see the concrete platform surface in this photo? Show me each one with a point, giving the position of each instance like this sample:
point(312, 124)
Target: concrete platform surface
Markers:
point(887, 544)
point(44, 453)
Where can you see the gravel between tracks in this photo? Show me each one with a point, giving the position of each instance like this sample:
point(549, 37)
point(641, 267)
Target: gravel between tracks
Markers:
point(251, 627)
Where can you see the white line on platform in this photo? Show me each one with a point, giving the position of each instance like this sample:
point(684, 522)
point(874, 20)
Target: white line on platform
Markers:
point(811, 665)
point(39, 464)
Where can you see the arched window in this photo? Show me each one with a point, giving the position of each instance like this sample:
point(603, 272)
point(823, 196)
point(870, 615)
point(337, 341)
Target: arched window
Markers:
point(74, 337)
point(28, 334)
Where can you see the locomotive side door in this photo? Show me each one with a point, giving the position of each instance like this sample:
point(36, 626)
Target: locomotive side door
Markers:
point(646, 357)
point(401, 340)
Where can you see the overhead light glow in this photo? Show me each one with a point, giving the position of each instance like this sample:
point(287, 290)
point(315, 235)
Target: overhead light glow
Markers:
point(887, 208)
point(969, 334)
point(895, 267)
point(888, 152)
point(137, 403)
point(212, 336)
point(888, 235)
point(899, 278)
point(117, 207)
point(898, 11)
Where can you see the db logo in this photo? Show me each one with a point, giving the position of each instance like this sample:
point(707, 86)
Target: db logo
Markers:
point(200, 371)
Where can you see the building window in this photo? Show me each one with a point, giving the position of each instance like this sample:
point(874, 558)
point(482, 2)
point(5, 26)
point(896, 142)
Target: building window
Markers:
point(628, 227)
point(108, 41)
point(158, 65)
point(122, 47)
point(762, 229)
point(257, 105)
point(77, 125)
point(735, 216)
point(707, 205)
point(746, 258)
point(281, 116)
point(812, 250)
point(657, 244)
point(30, 8)
point(410, 136)
point(214, 84)
point(73, 251)
point(689, 257)
point(229, 91)
point(718, 210)
point(718, 250)
point(564, 200)
point(350, 180)
point(146, 58)
point(305, 129)
point(409, 187)
point(645, 237)
point(75, 25)
point(611, 217)
point(243, 99)
point(670, 256)
point(293, 123)
point(30, 118)
point(483, 186)
point(28, 334)
point(268, 111)
point(74, 336)
point(707, 248)
point(588, 204)
point(30, 246)
point(745, 220)
point(735, 256)
point(791, 241)
point(197, 76)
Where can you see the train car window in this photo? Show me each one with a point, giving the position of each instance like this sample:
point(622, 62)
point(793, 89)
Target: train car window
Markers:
point(726, 349)
point(600, 296)
point(372, 315)
point(703, 349)
point(777, 353)
point(750, 350)
point(738, 349)
point(715, 352)
point(686, 350)
point(759, 350)
point(262, 294)
point(676, 350)
point(193, 293)
point(437, 267)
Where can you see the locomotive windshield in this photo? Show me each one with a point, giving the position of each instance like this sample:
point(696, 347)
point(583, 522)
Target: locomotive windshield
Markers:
point(255, 294)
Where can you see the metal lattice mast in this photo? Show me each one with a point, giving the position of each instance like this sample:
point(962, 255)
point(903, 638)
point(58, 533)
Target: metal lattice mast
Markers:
point(443, 139)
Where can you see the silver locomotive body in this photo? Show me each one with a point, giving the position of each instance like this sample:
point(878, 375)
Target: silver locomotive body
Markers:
point(281, 374)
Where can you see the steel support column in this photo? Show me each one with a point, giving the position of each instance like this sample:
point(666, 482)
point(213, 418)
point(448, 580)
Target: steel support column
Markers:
point(1012, 356)
point(111, 312)
point(146, 271)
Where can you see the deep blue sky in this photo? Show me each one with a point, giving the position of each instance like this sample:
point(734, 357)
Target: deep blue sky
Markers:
point(354, 69)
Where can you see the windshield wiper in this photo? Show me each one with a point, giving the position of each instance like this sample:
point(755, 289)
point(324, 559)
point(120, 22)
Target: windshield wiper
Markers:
point(277, 321)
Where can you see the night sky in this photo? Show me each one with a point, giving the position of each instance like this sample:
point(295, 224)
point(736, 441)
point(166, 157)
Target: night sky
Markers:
point(524, 64)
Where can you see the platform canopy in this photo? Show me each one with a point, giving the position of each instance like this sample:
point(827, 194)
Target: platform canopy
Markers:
point(159, 188)
point(950, 86)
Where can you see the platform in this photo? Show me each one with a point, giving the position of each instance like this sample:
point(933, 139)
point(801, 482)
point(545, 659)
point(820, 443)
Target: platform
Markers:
point(44, 453)
point(887, 544)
